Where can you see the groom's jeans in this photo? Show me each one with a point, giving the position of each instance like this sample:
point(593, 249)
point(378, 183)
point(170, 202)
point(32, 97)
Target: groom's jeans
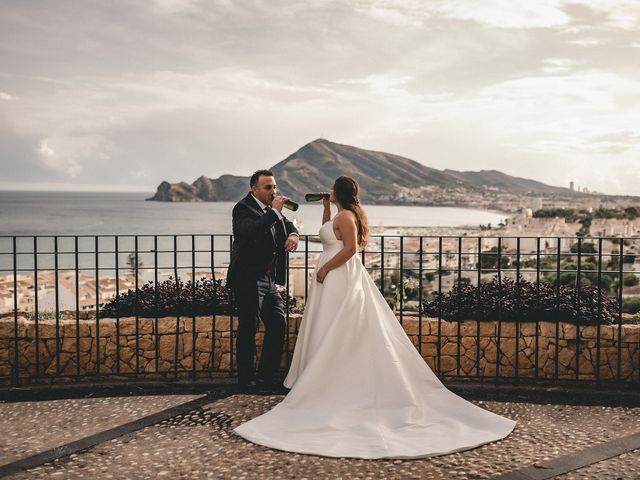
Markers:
point(259, 300)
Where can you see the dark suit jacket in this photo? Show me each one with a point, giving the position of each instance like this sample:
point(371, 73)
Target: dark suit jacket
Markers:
point(254, 244)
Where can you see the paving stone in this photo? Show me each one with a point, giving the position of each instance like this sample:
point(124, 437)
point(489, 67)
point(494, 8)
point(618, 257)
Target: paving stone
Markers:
point(201, 444)
point(622, 467)
point(32, 427)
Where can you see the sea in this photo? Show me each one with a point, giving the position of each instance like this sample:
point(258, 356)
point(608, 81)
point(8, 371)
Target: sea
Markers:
point(28, 213)
point(72, 219)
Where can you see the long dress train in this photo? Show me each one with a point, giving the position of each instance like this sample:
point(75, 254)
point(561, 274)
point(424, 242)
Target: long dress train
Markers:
point(359, 388)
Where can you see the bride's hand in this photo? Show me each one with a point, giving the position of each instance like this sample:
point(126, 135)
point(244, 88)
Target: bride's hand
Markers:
point(321, 274)
point(325, 200)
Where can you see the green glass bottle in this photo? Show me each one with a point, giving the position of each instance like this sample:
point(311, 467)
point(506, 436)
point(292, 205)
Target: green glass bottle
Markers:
point(291, 205)
point(315, 196)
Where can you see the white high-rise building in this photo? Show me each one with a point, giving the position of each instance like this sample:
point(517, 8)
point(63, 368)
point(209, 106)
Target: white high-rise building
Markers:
point(536, 204)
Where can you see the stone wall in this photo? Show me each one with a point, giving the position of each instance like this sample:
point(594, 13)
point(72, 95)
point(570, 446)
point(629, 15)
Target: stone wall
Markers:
point(213, 349)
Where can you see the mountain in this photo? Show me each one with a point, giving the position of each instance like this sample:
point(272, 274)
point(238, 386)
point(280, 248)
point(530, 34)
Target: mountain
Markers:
point(381, 175)
point(494, 178)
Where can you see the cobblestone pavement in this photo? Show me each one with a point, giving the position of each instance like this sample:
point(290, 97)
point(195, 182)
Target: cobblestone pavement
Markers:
point(201, 444)
point(32, 427)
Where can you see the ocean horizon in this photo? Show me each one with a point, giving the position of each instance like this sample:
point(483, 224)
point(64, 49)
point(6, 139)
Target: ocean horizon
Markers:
point(28, 213)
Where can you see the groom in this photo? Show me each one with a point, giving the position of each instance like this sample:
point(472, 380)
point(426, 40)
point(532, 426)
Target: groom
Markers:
point(262, 236)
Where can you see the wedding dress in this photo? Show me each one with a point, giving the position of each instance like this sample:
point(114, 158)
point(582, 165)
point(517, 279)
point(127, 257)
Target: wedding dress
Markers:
point(359, 388)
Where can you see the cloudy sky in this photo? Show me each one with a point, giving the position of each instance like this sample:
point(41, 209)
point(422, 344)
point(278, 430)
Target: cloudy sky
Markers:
point(124, 94)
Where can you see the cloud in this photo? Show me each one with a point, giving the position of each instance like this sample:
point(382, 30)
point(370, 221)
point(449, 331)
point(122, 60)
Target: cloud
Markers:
point(616, 142)
point(45, 150)
point(532, 89)
point(560, 65)
point(586, 42)
point(6, 96)
point(496, 13)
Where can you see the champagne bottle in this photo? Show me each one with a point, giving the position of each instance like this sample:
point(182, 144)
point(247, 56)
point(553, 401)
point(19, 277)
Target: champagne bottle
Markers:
point(291, 205)
point(316, 196)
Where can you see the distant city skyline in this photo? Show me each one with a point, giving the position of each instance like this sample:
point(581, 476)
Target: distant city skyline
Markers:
point(122, 95)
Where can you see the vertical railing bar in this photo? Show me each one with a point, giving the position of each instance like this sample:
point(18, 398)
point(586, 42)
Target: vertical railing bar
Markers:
point(480, 312)
point(117, 265)
point(16, 345)
point(401, 286)
point(57, 300)
point(97, 272)
point(499, 335)
point(382, 265)
point(518, 308)
point(621, 284)
point(287, 318)
point(77, 285)
point(231, 332)
point(599, 310)
point(306, 275)
point(177, 331)
point(459, 321)
point(578, 293)
point(438, 341)
point(35, 294)
point(155, 303)
point(557, 349)
point(420, 299)
point(193, 307)
point(215, 306)
point(537, 339)
point(137, 300)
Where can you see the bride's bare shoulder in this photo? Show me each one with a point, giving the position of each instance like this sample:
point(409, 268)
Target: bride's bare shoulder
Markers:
point(346, 216)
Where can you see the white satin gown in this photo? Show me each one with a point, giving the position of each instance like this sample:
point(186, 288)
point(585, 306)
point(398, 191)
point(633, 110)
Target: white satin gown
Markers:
point(359, 388)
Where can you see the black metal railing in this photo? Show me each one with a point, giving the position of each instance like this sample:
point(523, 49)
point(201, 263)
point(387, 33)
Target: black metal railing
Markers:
point(64, 279)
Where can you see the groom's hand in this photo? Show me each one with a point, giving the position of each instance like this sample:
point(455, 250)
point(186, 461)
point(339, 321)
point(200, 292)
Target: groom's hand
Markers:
point(291, 244)
point(278, 202)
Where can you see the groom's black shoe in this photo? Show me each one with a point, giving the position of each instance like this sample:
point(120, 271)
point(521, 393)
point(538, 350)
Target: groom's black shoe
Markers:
point(270, 388)
point(248, 387)
point(264, 388)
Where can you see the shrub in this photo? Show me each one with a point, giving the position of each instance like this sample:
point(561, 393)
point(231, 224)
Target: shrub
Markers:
point(631, 305)
point(525, 301)
point(171, 299)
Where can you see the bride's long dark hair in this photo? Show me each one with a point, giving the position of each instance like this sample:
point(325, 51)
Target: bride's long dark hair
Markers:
point(347, 190)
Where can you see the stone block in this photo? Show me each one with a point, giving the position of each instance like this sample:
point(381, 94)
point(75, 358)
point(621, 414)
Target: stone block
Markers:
point(467, 365)
point(410, 326)
point(508, 329)
point(528, 329)
point(488, 329)
point(203, 344)
point(468, 327)
point(548, 330)
point(448, 363)
point(566, 358)
point(631, 334)
point(168, 347)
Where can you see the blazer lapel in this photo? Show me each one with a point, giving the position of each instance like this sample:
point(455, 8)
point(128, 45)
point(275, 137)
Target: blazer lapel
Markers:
point(250, 201)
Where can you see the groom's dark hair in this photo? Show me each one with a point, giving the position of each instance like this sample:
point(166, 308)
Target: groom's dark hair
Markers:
point(258, 174)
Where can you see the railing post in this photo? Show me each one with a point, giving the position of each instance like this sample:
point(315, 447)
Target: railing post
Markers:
point(97, 274)
point(16, 353)
point(621, 287)
point(35, 295)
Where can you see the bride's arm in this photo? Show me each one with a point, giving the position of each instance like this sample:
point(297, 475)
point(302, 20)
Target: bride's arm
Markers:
point(346, 223)
point(326, 214)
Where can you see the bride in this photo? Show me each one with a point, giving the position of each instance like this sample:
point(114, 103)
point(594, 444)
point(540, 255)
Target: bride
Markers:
point(359, 388)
